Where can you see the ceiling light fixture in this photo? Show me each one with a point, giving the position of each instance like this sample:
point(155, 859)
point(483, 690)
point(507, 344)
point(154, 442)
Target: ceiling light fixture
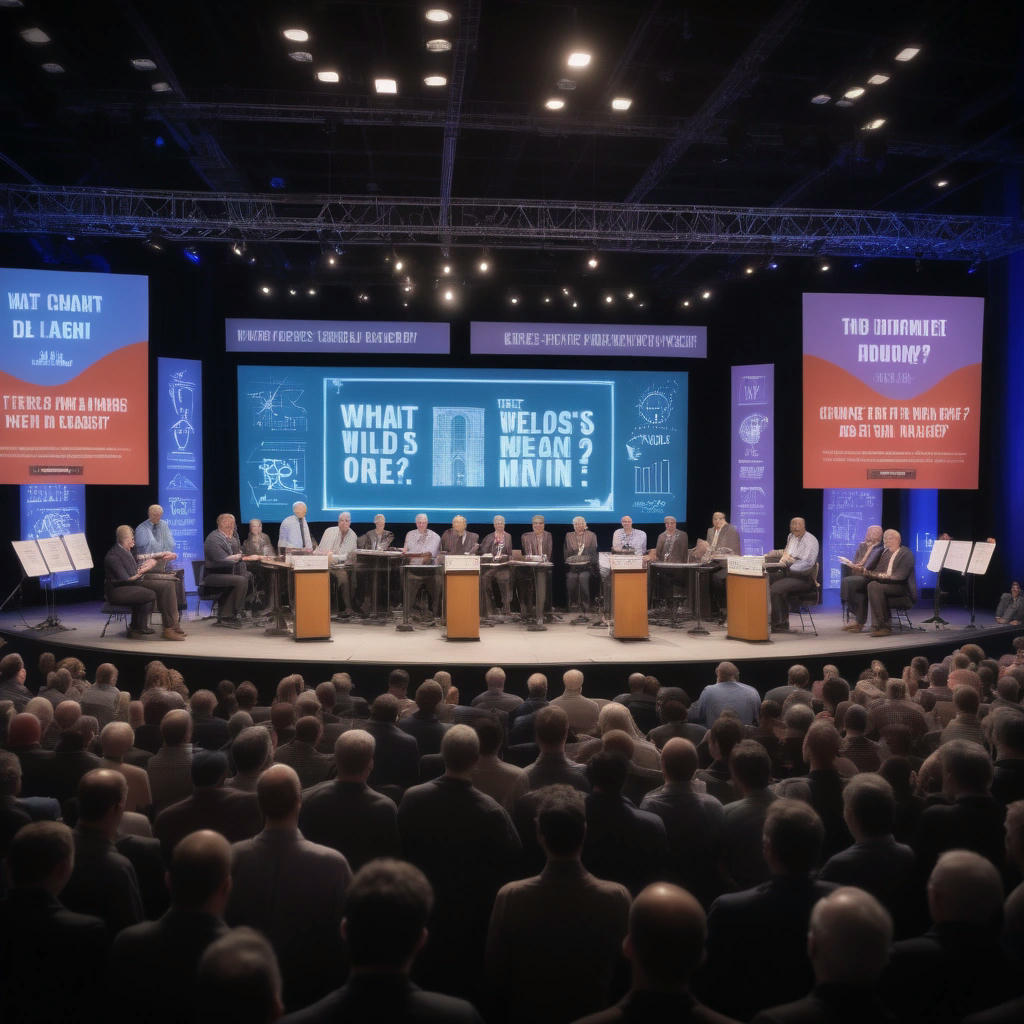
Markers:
point(822, 97)
point(238, 248)
point(446, 269)
point(265, 288)
point(296, 35)
point(844, 103)
point(301, 56)
point(483, 266)
point(35, 36)
point(514, 299)
point(855, 93)
point(547, 299)
point(705, 295)
point(593, 263)
point(609, 299)
point(160, 87)
point(878, 79)
point(386, 86)
point(748, 270)
point(686, 303)
point(311, 291)
point(448, 295)
point(435, 81)
point(874, 124)
point(143, 64)
point(399, 265)
point(328, 76)
point(438, 14)
point(578, 59)
point(575, 304)
point(53, 69)
point(942, 183)
point(825, 267)
point(629, 295)
point(621, 103)
point(439, 45)
point(292, 291)
point(908, 53)
point(554, 104)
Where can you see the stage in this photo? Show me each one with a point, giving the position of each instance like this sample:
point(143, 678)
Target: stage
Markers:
point(369, 650)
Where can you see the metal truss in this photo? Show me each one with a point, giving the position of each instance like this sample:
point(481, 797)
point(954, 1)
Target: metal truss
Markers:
point(502, 223)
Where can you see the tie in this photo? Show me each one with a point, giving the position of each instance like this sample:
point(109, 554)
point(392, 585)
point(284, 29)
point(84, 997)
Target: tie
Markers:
point(864, 557)
point(304, 532)
point(887, 570)
point(714, 540)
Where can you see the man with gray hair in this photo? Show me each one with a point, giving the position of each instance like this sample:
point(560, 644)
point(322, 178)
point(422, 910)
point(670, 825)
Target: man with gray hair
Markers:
point(153, 537)
point(582, 711)
point(726, 692)
point(339, 543)
point(497, 545)
point(853, 590)
point(581, 565)
point(126, 582)
point(892, 577)
point(252, 751)
point(345, 813)
point(103, 699)
point(238, 980)
point(495, 697)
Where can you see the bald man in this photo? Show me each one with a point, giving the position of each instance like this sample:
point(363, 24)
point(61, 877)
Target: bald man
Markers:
point(294, 533)
point(153, 537)
point(798, 558)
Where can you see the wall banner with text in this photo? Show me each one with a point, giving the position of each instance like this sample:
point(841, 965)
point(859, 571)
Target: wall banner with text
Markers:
point(326, 336)
point(74, 382)
point(892, 390)
point(507, 339)
point(753, 456)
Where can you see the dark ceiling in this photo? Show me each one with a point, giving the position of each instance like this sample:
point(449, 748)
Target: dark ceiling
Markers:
point(721, 102)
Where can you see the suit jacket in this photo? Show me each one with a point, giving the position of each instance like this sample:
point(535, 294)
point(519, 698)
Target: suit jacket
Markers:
point(901, 565)
point(531, 543)
point(623, 844)
point(531, 984)
point(396, 758)
point(427, 731)
point(366, 542)
point(830, 1004)
point(312, 766)
point(217, 548)
point(235, 815)
point(503, 782)
point(872, 551)
point(210, 733)
point(119, 566)
point(728, 537)
point(969, 823)
point(155, 966)
point(656, 1007)
point(672, 549)
point(572, 548)
point(453, 544)
point(353, 819)
point(489, 546)
point(103, 883)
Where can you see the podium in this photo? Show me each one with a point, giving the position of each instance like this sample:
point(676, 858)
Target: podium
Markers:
point(747, 597)
point(312, 593)
point(629, 598)
point(462, 597)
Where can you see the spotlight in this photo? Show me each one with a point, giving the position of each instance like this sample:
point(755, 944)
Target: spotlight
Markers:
point(686, 303)
point(311, 291)
point(265, 289)
point(825, 267)
point(748, 270)
point(192, 255)
point(446, 269)
point(399, 265)
point(448, 295)
point(484, 266)
point(292, 291)
point(154, 242)
point(609, 299)
point(773, 264)
point(593, 263)
point(514, 299)
point(705, 294)
point(238, 248)
point(942, 183)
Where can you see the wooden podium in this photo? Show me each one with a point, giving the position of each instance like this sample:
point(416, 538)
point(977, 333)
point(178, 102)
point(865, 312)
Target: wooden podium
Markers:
point(747, 597)
point(462, 597)
point(629, 599)
point(312, 594)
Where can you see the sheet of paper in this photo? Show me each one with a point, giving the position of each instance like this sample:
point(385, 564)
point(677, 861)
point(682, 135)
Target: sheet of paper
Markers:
point(31, 558)
point(939, 549)
point(980, 558)
point(56, 554)
point(959, 555)
point(78, 549)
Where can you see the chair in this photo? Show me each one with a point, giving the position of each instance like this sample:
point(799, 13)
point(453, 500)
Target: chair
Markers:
point(801, 601)
point(204, 593)
point(899, 609)
point(121, 612)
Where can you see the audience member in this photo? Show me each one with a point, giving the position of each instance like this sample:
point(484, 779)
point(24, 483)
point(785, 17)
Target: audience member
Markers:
point(252, 751)
point(208, 731)
point(642, 701)
point(797, 678)
point(726, 692)
point(238, 980)
point(743, 863)
point(582, 712)
point(505, 783)
point(116, 740)
point(301, 753)
point(724, 734)
point(856, 747)
point(12, 681)
point(964, 726)
point(495, 697)
point(170, 768)
point(423, 724)
point(675, 719)
point(1008, 776)
point(396, 759)
point(102, 700)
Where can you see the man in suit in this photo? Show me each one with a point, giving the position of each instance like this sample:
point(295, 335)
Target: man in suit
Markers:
point(301, 753)
point(377, 539)
point(722, 539)
point(23, 739)
point(580, 553)
point(235, 815)
point(497, 573)
point(582, 711)
point(536, 545)
point(520, 720)
point(761, 934)
point(853, 589)
point(551, 729)
point(127, 582)
point(423, 724)
point(344, 813)
point(238, 980)
point(848, 946)
point(396, 760)
point(466, 844)
point(292, 890)
point(457, 540)
point(385, 927)
point(54, 960)
point(154, 963)
point(116, 740)
point(208, 731)
point(527, 981)
point(669, 549)
point(12, 681)
point(495, 696)
point(252, 751)
point(338, 543)
point(891, 577)
point(170, 768)
point(224, 570)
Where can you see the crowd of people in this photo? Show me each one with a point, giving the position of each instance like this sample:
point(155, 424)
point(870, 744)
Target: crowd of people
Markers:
point(831, 850)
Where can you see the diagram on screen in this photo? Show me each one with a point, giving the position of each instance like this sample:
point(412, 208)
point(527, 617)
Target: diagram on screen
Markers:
point(277, 472)
point(458, 447)
point(278, 408)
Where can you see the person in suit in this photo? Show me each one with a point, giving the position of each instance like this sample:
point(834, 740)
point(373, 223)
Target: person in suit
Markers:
point(743, 864)
point(293, 534)
point(848, 946)
point(722, 539)
point(385, 928)
point(669, 549)
point(224, 570)
point(170, 768)
point(497, 574)
point(238, 980)
point(466, 845)
point(251, 751)
point(495, 695)
point(853, 589)
point(551, 729)
point(212, 805)
point(504, 782)
point(23, 739)
point(12, 681)
point(527, 981)
point(423, 724)
point(762, 932)
point(292, 890)
point(520, 719)
point(155, 962)
point(53, 959)
point(208, 731)
point(257, 542)
point(457, 540)
point(627, 540)
point(581, 711)
point(377, 539)
point(891, 577)
point(536, 544)
point(126, 582)
point(116, 740)
point(345, 813)
point(642, 701)
point(338, 543)
point(301, 753)
point(580, 553)
point(664, 945)
point(396, 759)
point(798, 558)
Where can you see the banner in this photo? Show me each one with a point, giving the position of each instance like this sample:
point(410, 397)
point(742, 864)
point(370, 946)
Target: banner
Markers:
point(180, 457)
point(490, 338)
point(753, 456)
point(846, 515)
point(892, 390)
point(74, 382)
point(53, 510)
point(322, 336)
point(402, 441)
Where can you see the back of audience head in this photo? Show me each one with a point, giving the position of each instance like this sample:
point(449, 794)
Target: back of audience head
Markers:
point(353, 754)
point(651, 686)
point(726, 671)
point(11, 666)
point(618, 741)
point(1008, 734)
point(750, 766)
point(1008, 688)
point(771, 712)
point(252, 749)
point(849, 938)
point(307, 705)
point(282, 717)
point(106, 675)
point(494, 678)
point(606, 771)
point(116, 739)
point(869, 806)
point(551, 727)
point(489, 733)
point(342, 683)
point(572, 680)
point(561, 821)
point(460, 749)
point(279, 793)
point(966, 700)
point(793, 837)
point(398, 682)
point(387, 907)
point(202, 702)
point(428, 696)
point(247, 695)
point(308, 730)
point(209, 768)
point(856, 720)
point(673, 711)
point(614, 716)
point(537, 686)
point(666, 936)
point(965, 888)
point(725, 732)
point(42, 709)
point(679, 760)
point(199, 877)
point(798, 718)
point(834, 691)
point(966, 768)
point(821, 745)
point(67, 713)
point(797, 675)
point(667, 693)
point(327, 695)
point(238, 980)
point(42, 853)
point(964, 677)
point(289, 688)
point(899, 773)
point(1015, 834)
point(100, 793)
point(10, 774)
point(176, 728)
point(237, 722)
point(25, 730)
point(384, 708)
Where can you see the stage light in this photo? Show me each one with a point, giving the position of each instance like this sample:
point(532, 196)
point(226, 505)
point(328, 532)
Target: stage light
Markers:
point(855, 93)
point(292, 291)
point(160, 87)
point(35, 36)
point(878, 79)
point(52, 69)
point(554, 104)
point(593, 263)
point(686, 303)
point(448, 295)
point(773, 264)
point(484, 266)
point(296, 35)
point(265, 289)
point(277, 183)
point(874, 124)
point(386, 86)
point(547, 299)
point(438, 15)
point(578, 59)
point(154, 243)
point(575, 304)
point(192, 255)
point(143, 64)
point(514, 299)
point(609, 299)
point(748, 270)
point(301, 56)
point(399, 265)
point(822, 97)
point(825, 267)
point(942, 183)
point(706, 294)
point(621, 103)
point(439, 45)
point(328, 76)
point(311, 291)
point(435, 81)
point(629, 295)
point(446, 269)
point(908, 53)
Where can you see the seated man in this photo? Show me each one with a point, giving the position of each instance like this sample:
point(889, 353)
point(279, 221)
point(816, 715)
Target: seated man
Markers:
point(499, 546)
point(257, 542)
point(153, 538)
point(627, 540)
point(722, 539)
point(338, 543)
point(798, 559)
point(853, 589)
point(377, 539)
point(581, 565)
point(537, 545)
point(891, 577)
point(457, 540)
point(225, 571)
point(423, 544)
point(1011, 606)
point(670, 549)
point(126, 583)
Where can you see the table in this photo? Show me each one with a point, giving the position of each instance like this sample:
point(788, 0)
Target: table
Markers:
point(673, 571)
point(378, 565)
point(274, 567)
point(416, 569)
point(697, 568)
point(541, 572)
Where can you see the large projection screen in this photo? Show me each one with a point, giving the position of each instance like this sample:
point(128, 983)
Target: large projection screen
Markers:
point(892, 390)
point(403, 441)
point(75, 377)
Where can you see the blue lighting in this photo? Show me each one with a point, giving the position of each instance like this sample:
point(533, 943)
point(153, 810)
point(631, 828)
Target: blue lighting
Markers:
point(192, 255)
point(159, 142)
point(277, 182)
point(773, 265)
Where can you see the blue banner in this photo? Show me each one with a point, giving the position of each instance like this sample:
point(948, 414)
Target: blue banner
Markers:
point(180, 456)
point(753, 456)
point(399, 337)
point(518, 339)
point(846, 515)
point(52, 510)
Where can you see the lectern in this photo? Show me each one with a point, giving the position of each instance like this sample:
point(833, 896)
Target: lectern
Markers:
point(629, 598)
point(462, 597)
point(312, 590)
point(746, 589)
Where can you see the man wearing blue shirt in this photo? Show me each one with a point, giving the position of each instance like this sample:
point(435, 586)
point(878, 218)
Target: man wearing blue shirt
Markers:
point(628, 540)
point(294, 533)
point(726, 692)
point(153, 538)
point(798, 558)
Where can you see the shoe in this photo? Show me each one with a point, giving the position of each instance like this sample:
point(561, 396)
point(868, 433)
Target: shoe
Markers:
point(780, 629)
point(854, 627)
point(232, 622)
point(177, 629)
point(881, 631)
point(173, 634)
point(144, 630)
point(137, 634)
